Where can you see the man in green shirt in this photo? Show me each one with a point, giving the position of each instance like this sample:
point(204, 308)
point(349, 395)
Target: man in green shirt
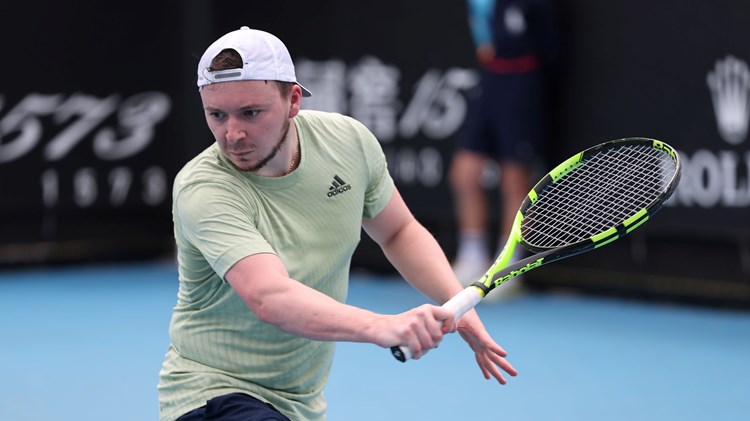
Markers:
point(266, 221)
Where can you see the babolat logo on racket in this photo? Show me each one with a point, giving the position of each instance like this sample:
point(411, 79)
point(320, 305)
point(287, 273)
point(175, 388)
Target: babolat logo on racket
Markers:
point(338, 186)
point(535, 264)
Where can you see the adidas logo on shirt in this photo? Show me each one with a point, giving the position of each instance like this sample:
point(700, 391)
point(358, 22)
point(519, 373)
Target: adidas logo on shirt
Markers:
point(338, 186)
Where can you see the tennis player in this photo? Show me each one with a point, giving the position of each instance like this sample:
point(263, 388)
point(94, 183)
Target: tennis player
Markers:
point(265, 222)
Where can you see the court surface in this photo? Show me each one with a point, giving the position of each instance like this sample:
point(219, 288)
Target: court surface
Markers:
point(86, 343)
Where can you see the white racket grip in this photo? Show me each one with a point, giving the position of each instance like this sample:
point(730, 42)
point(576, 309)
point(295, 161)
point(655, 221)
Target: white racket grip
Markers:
point(463, 301)
point(459, 304)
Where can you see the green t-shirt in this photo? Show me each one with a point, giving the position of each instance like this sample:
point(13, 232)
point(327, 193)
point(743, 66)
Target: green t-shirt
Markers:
point(311, 219)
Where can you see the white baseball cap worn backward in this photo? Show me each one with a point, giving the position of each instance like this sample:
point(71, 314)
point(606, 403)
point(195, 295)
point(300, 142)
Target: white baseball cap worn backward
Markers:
point(264, 57)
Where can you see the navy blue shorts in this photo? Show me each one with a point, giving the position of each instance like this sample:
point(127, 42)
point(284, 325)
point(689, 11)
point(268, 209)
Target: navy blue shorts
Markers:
point(234, 407)
point(506, 117)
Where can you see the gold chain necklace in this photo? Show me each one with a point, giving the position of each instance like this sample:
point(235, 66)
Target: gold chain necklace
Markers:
point(295, 159)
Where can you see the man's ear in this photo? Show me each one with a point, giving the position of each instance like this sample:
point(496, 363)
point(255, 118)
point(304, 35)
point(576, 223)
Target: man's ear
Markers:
point(295, 98)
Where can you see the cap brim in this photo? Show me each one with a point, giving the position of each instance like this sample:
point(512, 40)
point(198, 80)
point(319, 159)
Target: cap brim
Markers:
point(305, 92)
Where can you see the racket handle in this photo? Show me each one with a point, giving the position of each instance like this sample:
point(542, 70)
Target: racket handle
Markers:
point(459, 304)
point(464, 301)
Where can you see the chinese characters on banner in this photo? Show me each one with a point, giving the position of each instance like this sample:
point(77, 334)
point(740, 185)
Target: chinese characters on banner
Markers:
point(371, 91)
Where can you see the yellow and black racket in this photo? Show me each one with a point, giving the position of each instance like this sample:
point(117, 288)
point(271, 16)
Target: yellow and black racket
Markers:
point(589, 200)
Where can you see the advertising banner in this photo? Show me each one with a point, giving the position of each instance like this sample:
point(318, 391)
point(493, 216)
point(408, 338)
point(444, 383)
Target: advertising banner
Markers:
point(86, 131)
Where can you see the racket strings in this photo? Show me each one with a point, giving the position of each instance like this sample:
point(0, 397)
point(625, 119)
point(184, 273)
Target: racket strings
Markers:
point(595, 212)
point(602, 192)
point(602, 201)
point(610, 197)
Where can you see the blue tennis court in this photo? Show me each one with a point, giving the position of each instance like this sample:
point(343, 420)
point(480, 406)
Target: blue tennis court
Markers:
point(86, 343)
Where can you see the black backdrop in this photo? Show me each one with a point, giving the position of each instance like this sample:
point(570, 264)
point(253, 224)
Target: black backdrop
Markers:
point(659, 69)
point(87, 130)
point(98, 110)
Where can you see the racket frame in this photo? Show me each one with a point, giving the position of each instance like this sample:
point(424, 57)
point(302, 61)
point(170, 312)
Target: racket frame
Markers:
point(502, 270)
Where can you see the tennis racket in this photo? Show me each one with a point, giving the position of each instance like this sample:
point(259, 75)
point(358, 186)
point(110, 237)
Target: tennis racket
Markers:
point(588, 201)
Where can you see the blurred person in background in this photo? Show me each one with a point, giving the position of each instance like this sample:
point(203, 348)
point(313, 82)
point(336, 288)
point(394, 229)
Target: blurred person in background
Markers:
point(266, 221)
point(516, 46)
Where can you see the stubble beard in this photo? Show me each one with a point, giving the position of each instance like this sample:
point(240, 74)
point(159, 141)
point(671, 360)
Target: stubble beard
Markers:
point(275, 151)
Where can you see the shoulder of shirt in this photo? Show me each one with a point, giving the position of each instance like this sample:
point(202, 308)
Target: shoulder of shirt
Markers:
point(334, 127)
point(205, 168)
point(314, 117)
